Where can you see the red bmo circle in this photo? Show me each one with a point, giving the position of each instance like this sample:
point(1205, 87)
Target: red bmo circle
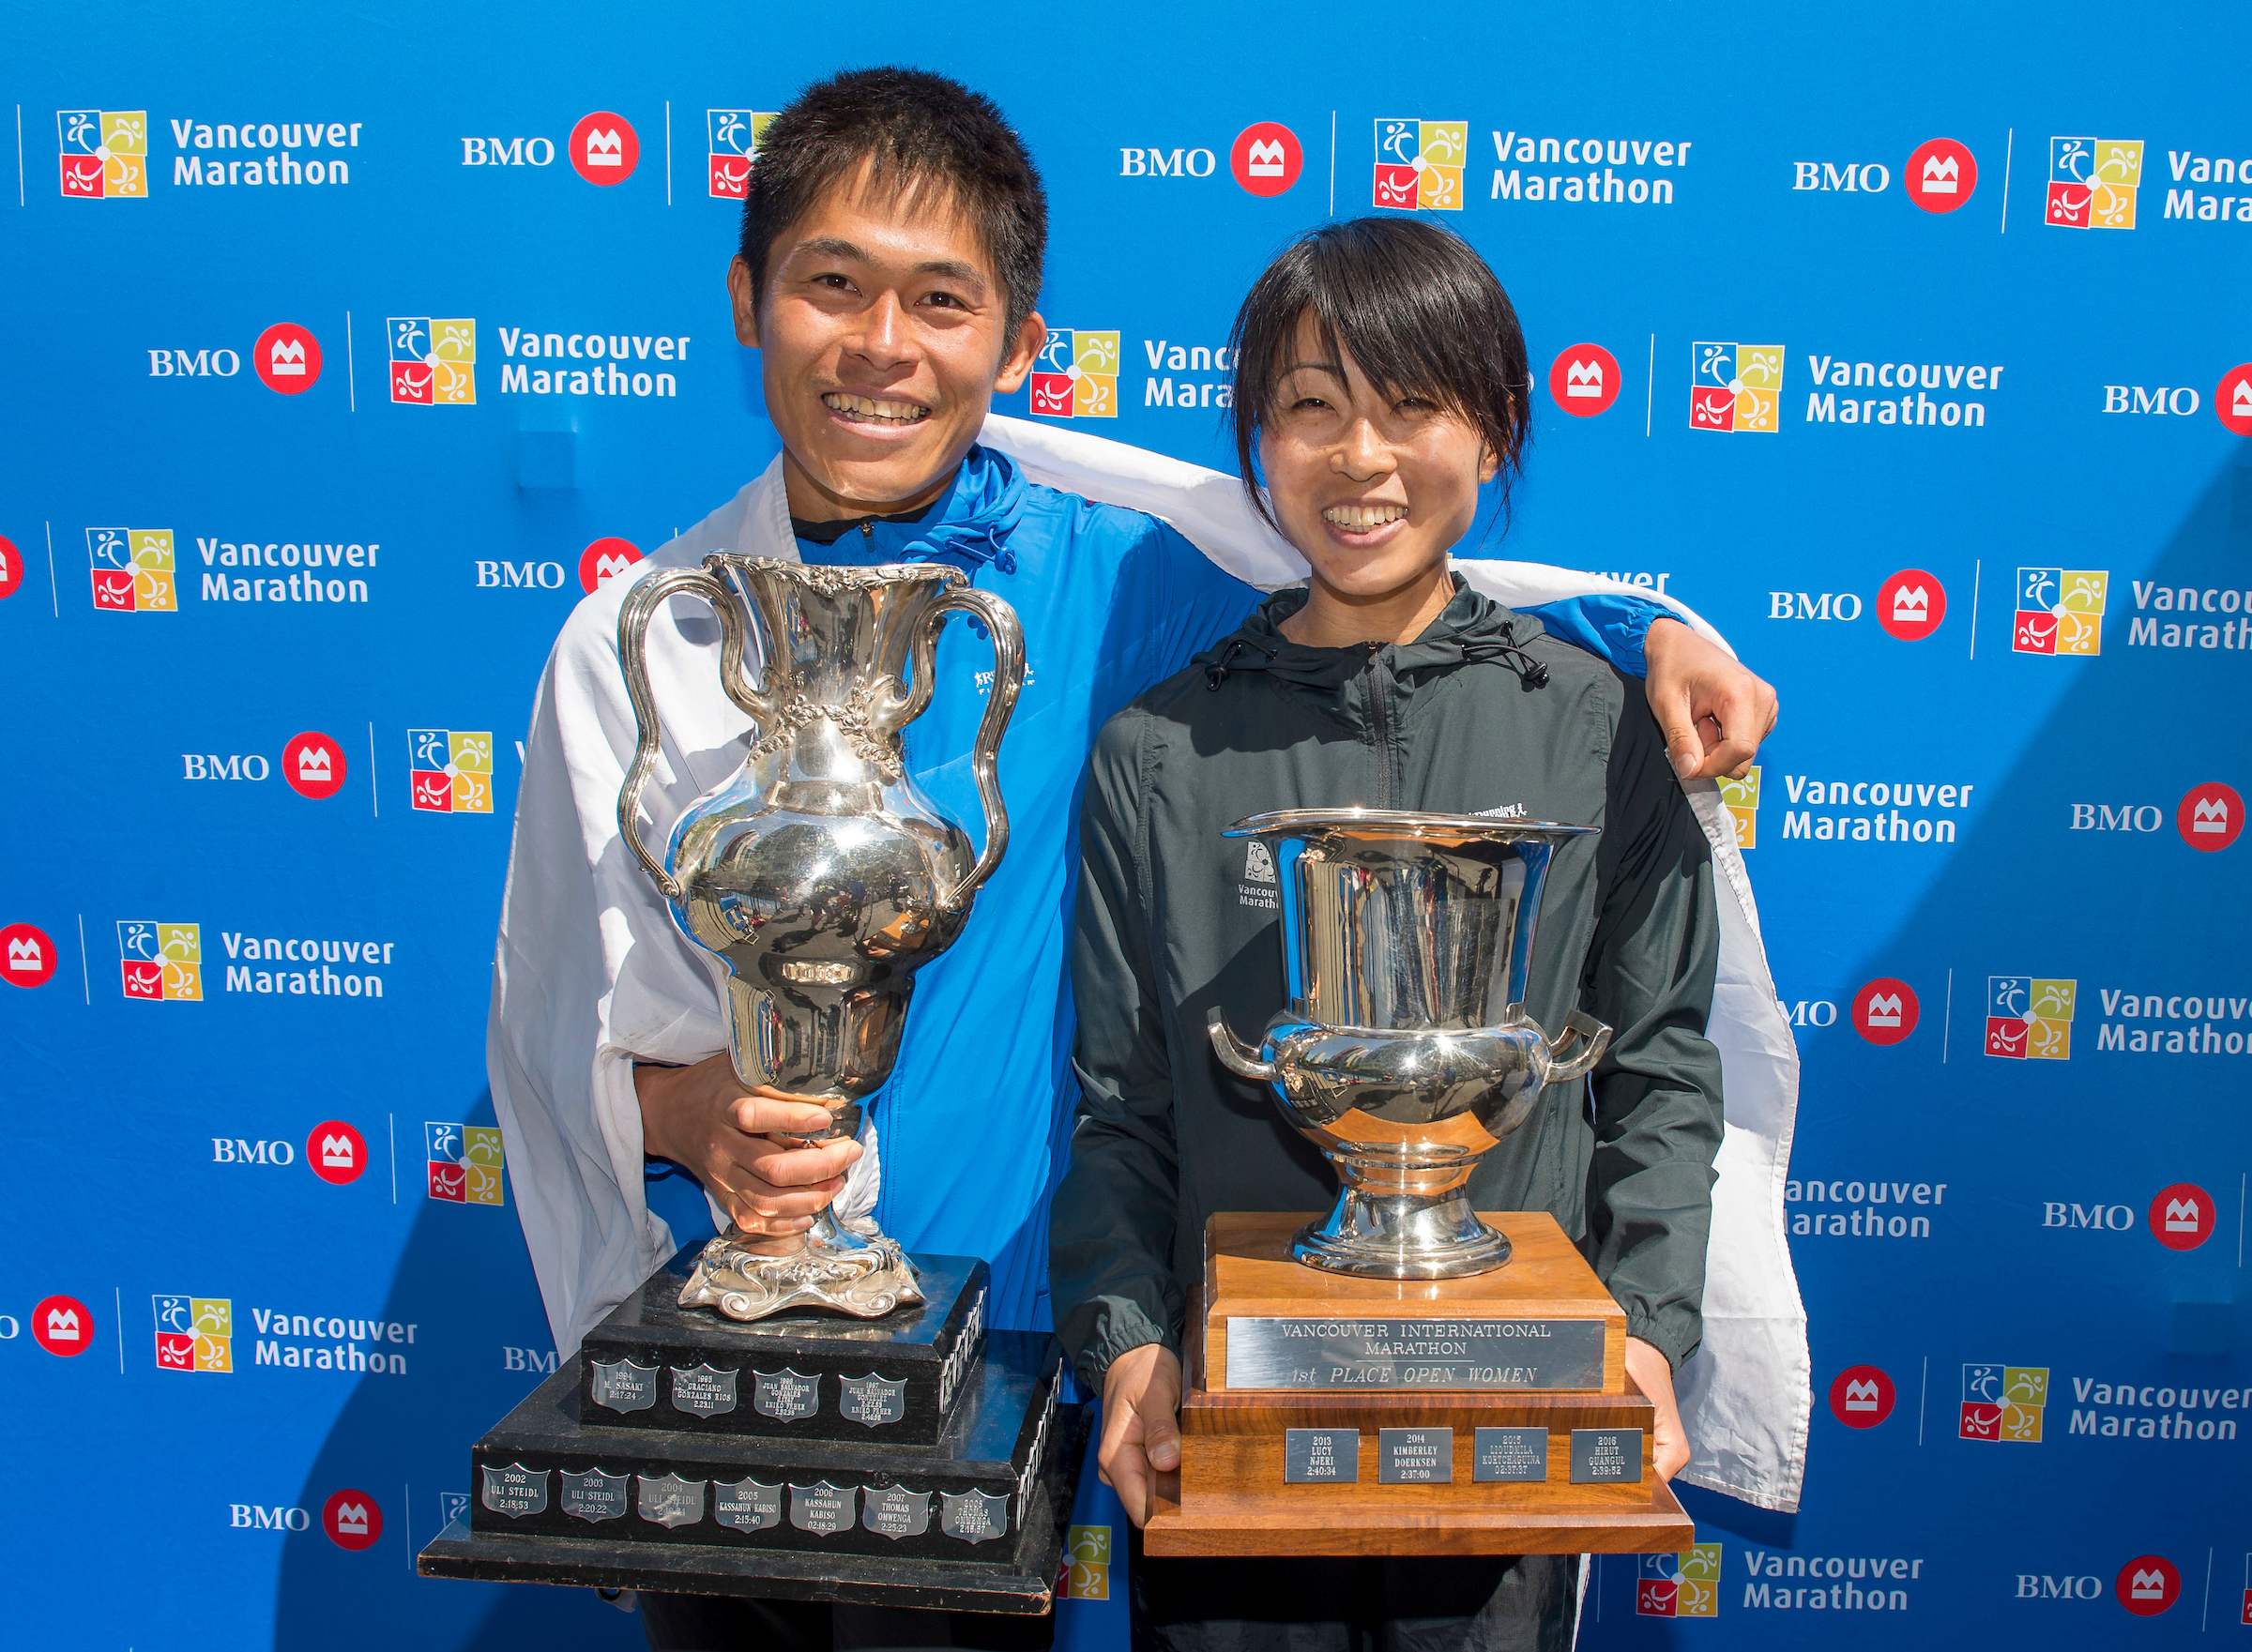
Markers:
point(2182, 1217)
point(63, 1324)
point(336, 1152)
point(287, 358)
point(606, 149)
point(26, 955)
point(1941, 175)
point(1885, 1011)
point(11, 568)
point(604, 559)
point(1910, 604)
point(1266, 158)
point(2209, 816)
point(2148, 1584)
point(2233, 400)
point(351, 1519)
point(314, 764)
point(1584, 380)
point(1861, 1397)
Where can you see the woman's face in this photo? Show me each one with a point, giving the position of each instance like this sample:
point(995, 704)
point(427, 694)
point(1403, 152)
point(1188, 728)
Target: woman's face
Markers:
point(1374, 489)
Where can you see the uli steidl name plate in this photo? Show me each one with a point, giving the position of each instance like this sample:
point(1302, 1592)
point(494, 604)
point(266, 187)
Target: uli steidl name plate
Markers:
point(1462, 1354)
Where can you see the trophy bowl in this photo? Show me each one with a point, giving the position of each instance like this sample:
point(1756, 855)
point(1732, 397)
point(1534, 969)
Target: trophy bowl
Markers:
point(1404, 1051)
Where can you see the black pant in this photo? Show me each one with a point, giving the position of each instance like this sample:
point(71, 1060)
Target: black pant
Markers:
point(1499, 1603)
point(723, 1623)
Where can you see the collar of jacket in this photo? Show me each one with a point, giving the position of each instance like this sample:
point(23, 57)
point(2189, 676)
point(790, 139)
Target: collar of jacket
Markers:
point(1470, 628)
point(969, 528)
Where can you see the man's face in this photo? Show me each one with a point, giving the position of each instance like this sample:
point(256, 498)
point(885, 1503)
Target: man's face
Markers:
point(884, 335)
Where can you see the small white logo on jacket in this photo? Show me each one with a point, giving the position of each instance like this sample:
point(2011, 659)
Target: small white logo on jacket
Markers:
point(1258, 890)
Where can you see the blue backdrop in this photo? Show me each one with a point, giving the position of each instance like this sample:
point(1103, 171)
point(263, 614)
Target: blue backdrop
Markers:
point(1907, 347)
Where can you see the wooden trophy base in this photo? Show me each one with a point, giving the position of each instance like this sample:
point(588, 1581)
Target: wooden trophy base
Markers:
point(1367, 1417)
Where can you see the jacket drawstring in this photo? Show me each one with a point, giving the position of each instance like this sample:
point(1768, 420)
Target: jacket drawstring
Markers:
point(1216, 673)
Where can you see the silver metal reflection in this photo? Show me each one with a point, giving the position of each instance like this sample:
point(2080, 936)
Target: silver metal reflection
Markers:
point(819, 873)
point(1405, 1052)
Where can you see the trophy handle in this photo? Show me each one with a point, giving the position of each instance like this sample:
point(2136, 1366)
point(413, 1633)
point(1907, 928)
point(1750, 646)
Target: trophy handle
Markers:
point(1000, 702)
point(1593, 1039)
point(633, 656)
point(1243, 1062)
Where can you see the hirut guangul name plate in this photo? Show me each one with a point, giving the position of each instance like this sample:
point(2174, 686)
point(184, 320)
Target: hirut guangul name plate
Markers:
point(1361, 1353)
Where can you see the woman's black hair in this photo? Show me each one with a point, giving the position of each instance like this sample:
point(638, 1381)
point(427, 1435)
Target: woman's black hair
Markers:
point(1416, 308)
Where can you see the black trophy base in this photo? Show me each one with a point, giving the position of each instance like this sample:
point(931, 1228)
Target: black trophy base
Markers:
point(971, 1522)
point(808, 1373)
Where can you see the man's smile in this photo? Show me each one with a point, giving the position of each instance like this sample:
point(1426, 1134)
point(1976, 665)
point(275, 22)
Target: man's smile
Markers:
point(874, 410)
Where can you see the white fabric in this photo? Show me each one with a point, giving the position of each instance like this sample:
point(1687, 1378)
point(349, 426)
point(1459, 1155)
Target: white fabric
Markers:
point(589, 973)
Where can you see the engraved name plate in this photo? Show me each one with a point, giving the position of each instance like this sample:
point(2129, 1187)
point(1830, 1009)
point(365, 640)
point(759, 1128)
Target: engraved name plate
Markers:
point(1320, 1454)
point(1415, 1457)
point(975, 1517)
point(671, 1501)
point(1446, 1354)
point(823, 1508)
point(591, 1495)
point(1509, 1454)
point(784, 1396)
point(622, 1386)
point(872, 1399)
point(515, 1490)
point(703, 1391)
point(746, 1504)
point(893, 1511)
point(1601, 1456)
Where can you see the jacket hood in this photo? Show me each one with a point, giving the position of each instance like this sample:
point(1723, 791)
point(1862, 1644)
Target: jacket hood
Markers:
point(1470, 628)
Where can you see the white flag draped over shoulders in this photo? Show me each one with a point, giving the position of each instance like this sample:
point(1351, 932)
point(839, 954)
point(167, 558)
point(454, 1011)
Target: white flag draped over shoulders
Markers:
point(590, 974)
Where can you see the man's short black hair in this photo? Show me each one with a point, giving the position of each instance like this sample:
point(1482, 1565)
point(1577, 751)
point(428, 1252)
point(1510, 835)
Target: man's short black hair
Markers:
point(924, 138)
point(1416, 308)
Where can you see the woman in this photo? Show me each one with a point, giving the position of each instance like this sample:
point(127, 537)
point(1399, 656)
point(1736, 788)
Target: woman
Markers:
point(1381, 381)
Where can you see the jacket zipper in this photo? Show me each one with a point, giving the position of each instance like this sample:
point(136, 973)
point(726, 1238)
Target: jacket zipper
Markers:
point(1379, 718)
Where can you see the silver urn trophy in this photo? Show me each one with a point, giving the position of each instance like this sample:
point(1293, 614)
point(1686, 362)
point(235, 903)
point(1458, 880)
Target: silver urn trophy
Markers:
point(818, 873)
point(1404, 1051)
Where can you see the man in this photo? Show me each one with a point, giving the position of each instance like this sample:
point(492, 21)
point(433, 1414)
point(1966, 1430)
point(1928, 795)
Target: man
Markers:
point(891, 260)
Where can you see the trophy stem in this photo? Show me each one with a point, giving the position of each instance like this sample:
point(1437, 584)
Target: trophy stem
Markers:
point(1390, 1233)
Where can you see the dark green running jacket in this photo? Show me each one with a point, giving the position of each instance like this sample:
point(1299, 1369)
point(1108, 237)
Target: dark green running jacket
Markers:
point(1484, 713)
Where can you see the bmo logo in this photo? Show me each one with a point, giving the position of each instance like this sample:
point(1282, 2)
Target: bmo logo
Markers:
point(1885, 1011)
point(1912, 604)
point(606, 149)
point(11, 568)
point(2209, 816)
point(2232, 399)
point(604, 560)
point(1584, 380)
point(1941, 174)
point(1861, 1397)
point(63, 1324)
point(287, 358)
point(336, 1152)
point(1266, 158)
point(314, 764)
point(2148, 1584)
point(353, 1520)
point(2182, 1217)
point(26, 955)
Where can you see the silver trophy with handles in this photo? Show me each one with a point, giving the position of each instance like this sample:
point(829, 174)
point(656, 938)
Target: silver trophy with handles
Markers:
point(1404, 1051)
point(819, 873)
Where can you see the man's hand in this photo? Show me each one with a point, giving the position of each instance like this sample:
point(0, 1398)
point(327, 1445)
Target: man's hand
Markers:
point(1653, 1375)
point(1141, 1426)
point(1713, 712)
point(698, 1116)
